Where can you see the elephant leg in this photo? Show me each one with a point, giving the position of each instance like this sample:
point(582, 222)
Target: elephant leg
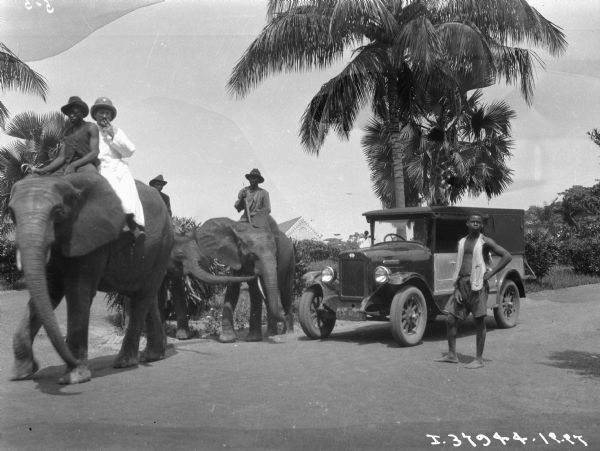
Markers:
point(232, 294)
point(179, 301)
point(156, 340)
point(128, 355)
point(256, 301)
point(80, 289)
point(162, 299)
point(25, 364)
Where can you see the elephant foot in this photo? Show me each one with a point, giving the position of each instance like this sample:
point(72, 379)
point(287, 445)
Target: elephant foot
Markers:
point(77, 375)
point(151, 356)
point(254, 335)
point(289, 324)
point(272, 329)
point(227, 337)
point(182, 334)
point(125, 361)
point(24, 369)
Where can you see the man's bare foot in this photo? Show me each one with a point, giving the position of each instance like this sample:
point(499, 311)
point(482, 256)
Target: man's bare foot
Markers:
point(447, 359)
point(475, 364)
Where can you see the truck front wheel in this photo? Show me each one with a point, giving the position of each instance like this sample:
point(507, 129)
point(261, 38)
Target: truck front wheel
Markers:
point(507, 311)
point(317, 321)
point(408, 315)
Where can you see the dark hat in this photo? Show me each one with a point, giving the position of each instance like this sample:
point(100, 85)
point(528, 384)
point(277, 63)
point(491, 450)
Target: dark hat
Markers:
point(75, 101)
point(104, 102)
point(158, 180)
point(255, 173)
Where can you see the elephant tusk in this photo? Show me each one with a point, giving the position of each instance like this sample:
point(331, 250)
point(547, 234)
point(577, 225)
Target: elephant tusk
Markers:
point(260, 287)
point(19, 266)
point(48, 256)
point(188, 283)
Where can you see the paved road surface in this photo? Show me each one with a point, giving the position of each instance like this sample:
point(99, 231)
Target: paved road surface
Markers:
point(356, 390)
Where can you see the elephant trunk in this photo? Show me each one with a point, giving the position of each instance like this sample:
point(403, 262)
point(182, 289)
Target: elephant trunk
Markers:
point(268, 272)
point(33, 246)
point(201, 274)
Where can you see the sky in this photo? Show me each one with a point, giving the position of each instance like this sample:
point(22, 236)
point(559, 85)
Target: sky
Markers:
point(165, 67)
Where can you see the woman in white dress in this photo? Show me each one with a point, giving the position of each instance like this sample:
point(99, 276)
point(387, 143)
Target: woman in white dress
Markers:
point(114, 146)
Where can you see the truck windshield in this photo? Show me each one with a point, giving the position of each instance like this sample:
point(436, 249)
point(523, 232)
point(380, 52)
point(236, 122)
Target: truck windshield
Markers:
point(401, 230)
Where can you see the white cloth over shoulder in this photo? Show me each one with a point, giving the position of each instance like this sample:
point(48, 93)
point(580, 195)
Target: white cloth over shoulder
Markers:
point(478, 267)
point(116, 171)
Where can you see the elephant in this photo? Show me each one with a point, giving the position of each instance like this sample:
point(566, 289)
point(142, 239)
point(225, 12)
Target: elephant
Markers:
point(250, 251)
point(71, 243)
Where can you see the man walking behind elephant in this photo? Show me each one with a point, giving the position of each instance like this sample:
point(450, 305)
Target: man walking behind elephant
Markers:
point(471, 288)
point(78, 150)
point(254, 201)
point(159, 182)
point(114, 146)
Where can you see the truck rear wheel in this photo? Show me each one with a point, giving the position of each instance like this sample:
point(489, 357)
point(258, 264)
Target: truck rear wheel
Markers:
point(507, 311)
point(316, 321)
point(408, 315)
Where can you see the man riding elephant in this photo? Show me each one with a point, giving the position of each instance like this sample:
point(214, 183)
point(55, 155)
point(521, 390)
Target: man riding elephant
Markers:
point(79, 148)
point(254, 201)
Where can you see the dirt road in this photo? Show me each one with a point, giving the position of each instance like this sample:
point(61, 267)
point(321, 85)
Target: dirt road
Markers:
point(355, 390)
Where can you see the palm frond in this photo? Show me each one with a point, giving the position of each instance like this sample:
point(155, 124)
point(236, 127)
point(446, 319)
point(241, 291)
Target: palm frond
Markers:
point(15, 74)
point(337, 103)
point(508, 21)
point(291, 41)
point(468, 54)
point(26, 125)
point(365, 14)
point(517, 65)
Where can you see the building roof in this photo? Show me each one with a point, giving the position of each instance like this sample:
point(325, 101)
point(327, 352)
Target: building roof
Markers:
point(294, 227)
point(287, 225)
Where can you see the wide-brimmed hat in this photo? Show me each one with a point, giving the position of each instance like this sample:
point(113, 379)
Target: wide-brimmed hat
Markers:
point(255, 173)
point(158, 180)
point(104, 102)
point(75, 101)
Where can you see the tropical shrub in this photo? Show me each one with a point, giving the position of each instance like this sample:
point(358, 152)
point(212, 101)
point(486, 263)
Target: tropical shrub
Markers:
point(584, 255)
point(9, 274)
point(541, 251)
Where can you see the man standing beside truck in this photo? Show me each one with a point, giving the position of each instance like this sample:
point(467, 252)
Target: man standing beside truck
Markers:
point(471, 286)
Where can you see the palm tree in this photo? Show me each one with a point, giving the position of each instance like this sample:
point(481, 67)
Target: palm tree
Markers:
point(38, 136)
point(410, 60)
point(15, 74)
point(468, 157)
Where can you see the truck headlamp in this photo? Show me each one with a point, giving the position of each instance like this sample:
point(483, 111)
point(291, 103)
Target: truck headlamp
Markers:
point(382, 274)
point(328, 274)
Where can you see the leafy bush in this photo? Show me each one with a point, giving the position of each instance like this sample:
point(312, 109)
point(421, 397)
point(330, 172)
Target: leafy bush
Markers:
point(584, 255)
point(9, 274)
point(541, 251)
point(313, 255)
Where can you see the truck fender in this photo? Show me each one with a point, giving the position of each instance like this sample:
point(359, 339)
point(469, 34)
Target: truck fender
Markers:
point(516, 278)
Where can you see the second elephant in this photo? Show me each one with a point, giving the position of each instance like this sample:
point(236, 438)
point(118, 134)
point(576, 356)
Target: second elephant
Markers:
point(254, 254)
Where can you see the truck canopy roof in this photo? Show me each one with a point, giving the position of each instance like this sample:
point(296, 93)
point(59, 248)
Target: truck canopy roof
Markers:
point(504, 225)
point(411, 212)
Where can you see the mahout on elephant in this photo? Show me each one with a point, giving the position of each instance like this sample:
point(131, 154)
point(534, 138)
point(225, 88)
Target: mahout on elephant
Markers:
point(258, 255)
point(69, 234)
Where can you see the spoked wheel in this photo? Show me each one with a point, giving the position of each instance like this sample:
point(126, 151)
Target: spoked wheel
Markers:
point(507, 311)
point(316, 321)
point(408, 316)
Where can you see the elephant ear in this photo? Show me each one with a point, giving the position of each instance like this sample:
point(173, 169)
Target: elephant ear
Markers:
point(98, 217)
point(218, 239)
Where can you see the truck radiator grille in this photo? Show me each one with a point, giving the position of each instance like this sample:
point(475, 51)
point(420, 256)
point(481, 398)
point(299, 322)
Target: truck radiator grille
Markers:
point(352, 275)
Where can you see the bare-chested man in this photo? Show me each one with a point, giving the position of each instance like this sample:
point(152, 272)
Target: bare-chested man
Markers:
point(471, 286)
point(79, 149)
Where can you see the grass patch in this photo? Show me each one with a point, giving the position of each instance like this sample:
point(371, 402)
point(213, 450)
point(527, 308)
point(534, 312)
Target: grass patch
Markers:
point(560, 277)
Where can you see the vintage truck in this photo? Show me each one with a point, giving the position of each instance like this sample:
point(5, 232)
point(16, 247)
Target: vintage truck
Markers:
point(405, 275)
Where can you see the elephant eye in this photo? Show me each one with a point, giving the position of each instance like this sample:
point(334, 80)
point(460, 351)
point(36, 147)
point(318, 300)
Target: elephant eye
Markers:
point(179, 255)
point(59, 213)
